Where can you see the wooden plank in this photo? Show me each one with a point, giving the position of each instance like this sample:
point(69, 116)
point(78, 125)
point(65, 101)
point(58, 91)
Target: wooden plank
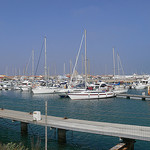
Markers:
point(110, 129)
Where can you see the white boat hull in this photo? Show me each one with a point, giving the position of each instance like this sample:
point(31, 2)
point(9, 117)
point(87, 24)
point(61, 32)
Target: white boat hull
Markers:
point(25, 88)
point(44, 90)
point(90, 95)
point(121, 91)
point(140, 87)
point(64, 92)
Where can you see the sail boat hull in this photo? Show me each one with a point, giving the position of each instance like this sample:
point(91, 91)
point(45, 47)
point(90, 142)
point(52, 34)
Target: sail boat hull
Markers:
point(44, 90)
point(90, 95)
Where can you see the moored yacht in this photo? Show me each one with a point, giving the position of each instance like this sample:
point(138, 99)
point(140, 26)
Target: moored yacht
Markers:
point(140, 84)
point(44, 90)
point(26, 86)
point(118, 89)
point(86, 95)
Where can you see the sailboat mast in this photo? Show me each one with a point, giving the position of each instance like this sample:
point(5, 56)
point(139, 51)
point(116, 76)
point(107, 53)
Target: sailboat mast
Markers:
point(85, 63)
point(82, 65)
point(118, 64)
point(64, 69)
point(70, 67)
point(45, 61)
point(114, 61)
point(33, 62)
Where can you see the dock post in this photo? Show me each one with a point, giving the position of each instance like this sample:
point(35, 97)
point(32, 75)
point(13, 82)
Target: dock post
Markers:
point(129, 143)
point(126, 144)
point(61, 135)
point(24, 128)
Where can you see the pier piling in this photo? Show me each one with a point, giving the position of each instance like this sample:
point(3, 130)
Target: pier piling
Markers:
point(129, 144)
point(126, 144)
point(24, 128)
point(127, 132)
point(61, 135)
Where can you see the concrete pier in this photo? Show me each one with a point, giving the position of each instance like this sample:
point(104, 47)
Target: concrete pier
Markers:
point(62, 124)
point(131, 96)
point(61, 133)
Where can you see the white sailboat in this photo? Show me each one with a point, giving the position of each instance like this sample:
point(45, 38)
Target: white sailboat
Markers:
point(64, 92)
point(118, 88)
point(88, 94)
point(44, 89)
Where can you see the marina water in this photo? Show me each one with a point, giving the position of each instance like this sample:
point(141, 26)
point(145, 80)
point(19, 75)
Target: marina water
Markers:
point(113, 110)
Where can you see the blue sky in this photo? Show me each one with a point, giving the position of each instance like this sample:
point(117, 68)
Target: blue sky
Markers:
point(122, 24)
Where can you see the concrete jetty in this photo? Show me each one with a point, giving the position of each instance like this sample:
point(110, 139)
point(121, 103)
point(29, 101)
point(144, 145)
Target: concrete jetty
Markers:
point(130, 132)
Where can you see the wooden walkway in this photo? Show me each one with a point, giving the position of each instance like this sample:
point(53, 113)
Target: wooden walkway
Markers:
point(110, 129)
point(131, 96)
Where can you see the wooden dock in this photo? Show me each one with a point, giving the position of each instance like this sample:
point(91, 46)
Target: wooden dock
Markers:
point(109, 129)
point(131, 96)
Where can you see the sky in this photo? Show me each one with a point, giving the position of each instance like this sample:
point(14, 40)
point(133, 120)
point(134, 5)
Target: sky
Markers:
point(120, 24)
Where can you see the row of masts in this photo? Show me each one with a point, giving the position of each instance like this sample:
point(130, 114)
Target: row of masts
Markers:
point(46, 72)
point(75, 62)
point(64, 63)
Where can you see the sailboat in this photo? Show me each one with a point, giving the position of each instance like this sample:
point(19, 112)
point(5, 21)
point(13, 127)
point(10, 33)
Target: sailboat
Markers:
point(44, 89)
point(77, 86)
point(118, 88)
point(89, 94)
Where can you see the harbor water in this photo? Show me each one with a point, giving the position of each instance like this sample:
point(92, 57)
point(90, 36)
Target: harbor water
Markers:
point(113, 110)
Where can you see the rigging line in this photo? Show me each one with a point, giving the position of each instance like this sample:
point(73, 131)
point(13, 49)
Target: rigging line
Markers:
point(121, 66)
point(26, 70)
point(76, 60)
point(39, 58)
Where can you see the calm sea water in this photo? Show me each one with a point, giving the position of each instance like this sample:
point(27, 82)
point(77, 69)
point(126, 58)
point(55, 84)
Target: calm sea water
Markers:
point(114, 110)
